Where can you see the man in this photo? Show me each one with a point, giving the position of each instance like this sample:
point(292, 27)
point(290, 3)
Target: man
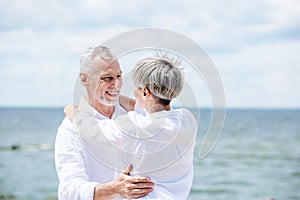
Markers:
point(80, 175)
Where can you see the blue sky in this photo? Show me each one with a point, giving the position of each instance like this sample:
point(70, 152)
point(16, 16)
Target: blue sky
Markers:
point(255, 45)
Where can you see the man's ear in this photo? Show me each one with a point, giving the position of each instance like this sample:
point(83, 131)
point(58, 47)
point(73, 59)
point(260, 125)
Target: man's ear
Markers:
point(84, 79)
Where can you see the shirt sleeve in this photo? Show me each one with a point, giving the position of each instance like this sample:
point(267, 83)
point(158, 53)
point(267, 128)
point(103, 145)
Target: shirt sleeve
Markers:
point(70, 167)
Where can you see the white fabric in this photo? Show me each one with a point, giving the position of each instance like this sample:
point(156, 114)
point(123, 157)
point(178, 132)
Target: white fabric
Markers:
point(77, 170)
point(159, 146)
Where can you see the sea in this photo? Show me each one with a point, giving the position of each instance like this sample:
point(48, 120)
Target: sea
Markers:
point(257, 156)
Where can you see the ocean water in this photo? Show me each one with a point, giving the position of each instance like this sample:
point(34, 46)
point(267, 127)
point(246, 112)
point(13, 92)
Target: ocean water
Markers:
point(257, 156)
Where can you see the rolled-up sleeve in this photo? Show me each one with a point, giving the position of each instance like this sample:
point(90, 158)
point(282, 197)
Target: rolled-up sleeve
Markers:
point(74, 183)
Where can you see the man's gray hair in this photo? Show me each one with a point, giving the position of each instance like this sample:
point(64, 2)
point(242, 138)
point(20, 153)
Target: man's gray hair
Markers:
point(160, 75)
point(88, 57)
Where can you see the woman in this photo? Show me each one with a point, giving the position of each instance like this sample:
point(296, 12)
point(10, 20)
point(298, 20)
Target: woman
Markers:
point(160, 143)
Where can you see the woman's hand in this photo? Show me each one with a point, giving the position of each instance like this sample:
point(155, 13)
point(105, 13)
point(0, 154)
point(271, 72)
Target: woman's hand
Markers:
point(69, 111)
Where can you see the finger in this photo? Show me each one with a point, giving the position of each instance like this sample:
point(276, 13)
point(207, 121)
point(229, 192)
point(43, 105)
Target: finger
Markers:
point(127, 170)
point(141, 190)
point(140, 179)
point(139, 195)
point(143, 185)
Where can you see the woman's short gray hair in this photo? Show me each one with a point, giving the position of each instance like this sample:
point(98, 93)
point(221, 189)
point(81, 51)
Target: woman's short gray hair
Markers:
point(160, 75)
point(88, 57)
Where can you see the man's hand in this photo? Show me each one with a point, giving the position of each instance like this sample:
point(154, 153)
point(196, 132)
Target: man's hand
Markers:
point(132, 186)
point(126, 186)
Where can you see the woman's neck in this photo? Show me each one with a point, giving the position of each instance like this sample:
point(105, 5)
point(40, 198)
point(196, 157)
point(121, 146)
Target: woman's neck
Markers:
point(156, 107)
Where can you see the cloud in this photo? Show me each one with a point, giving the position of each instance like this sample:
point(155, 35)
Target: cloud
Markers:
point(254, 44)
point(262, 75)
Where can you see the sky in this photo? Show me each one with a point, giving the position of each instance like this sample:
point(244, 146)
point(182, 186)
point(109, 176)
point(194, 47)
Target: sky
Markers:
point(255, 45)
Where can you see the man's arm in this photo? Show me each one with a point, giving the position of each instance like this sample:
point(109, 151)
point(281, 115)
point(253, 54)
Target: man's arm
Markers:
point(74, 181)
point(70, 167)
point(127, 103)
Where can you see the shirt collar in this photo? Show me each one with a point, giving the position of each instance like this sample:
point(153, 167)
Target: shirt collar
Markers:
point(84, 106)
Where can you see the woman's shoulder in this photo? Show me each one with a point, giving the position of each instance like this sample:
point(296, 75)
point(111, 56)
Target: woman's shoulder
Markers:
point(185, 115)
point(183, 112)
point(132, 120)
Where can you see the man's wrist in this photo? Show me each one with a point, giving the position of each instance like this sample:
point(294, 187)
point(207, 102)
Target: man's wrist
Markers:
point(105, 191)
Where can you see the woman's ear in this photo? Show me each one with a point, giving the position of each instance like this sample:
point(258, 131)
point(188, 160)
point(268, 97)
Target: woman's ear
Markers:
point(146, 93)
point(84, 79)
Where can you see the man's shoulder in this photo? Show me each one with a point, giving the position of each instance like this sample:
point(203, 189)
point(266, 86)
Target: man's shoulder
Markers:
point(67, 126)
point(66, 123)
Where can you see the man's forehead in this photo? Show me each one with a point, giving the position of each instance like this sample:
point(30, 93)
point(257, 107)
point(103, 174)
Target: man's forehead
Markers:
point(103, 67)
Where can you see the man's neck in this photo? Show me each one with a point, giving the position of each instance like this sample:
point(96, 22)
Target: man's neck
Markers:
point(104, 110)
point(107, 111)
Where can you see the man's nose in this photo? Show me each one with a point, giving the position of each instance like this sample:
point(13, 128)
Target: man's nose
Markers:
point(117, 83)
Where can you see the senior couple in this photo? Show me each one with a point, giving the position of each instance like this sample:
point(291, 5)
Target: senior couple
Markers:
point(111, 148)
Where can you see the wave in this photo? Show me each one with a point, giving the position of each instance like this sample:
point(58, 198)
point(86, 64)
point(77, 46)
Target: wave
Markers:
point(27, 147)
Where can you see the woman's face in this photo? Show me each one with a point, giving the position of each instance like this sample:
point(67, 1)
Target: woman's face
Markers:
point(138, 94)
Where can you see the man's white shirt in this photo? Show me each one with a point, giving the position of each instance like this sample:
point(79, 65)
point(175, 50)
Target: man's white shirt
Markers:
point(78, 171)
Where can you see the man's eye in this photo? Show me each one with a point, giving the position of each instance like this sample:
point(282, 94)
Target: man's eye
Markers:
point(107, 79)
point(119, 76)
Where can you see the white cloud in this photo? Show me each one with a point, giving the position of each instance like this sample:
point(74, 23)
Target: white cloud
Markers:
point(268, 72)
point(255, 44)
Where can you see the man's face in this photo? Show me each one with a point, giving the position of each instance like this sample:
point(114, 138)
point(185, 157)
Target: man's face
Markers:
point(106, 82)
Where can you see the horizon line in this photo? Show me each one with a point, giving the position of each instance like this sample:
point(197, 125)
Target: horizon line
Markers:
point(191, 107)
